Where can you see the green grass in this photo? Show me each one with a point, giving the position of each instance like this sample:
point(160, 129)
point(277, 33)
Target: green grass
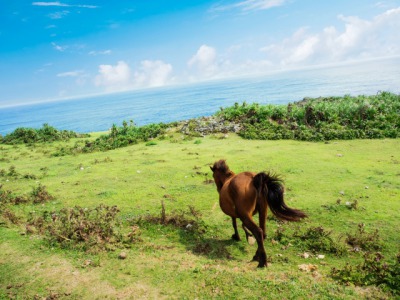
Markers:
point(174, 262)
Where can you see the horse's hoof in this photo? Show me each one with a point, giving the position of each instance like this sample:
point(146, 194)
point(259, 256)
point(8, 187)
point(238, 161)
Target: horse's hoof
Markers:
point(235, 237)
point(260, 265)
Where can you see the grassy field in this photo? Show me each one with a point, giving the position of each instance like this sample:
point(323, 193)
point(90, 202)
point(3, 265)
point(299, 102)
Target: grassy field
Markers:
point(340, 185)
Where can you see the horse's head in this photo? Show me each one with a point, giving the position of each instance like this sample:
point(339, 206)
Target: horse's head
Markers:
point(221, 173)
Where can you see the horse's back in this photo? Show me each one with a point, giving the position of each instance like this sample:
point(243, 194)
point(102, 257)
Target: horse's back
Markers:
point(238, 194)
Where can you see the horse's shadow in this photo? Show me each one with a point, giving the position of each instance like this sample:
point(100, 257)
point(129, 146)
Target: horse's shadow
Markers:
point(213, 248)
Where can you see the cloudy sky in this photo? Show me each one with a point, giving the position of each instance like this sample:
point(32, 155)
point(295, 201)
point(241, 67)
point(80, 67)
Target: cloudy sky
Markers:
point(69, 48)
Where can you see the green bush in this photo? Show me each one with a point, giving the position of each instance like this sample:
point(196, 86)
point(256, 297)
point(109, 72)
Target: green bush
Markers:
point(125, 135)
point(45, 134)
point(320, 119)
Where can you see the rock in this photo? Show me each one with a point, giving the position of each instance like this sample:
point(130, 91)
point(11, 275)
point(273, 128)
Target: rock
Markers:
point(86, 263)
point(308, 268)
point(320, 256)
point(251, 240)
point(305, 255)
point(122, 255)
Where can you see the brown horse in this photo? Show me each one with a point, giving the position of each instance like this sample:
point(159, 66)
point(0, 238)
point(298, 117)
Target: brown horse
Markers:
point(245, 194)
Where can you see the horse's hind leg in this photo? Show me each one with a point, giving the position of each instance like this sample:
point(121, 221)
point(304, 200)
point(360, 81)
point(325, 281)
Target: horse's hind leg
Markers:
point(236, 235)
point(261, 255)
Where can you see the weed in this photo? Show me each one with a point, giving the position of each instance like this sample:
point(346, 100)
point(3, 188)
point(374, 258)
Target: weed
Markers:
point(151, 143)
point(373, 271)
point(29, 176)
point(5, 195)
point(362, 240)
point(189, 220)
point(281, 235)
point(317, 239)
point(12, 172)
point(82, 228)
point(40, 194)
point(10, 216)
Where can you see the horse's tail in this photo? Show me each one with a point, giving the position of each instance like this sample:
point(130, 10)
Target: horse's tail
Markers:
point(270, 189)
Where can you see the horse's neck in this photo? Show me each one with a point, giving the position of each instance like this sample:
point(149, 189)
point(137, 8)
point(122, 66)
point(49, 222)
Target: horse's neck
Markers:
point(224, 179)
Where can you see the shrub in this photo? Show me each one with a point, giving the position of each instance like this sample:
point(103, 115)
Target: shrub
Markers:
point(372, 271)
point(40, 194)
point(317, 239)
point(320, 119)
point(81, 228)
point(362, 240)
point(46, 133)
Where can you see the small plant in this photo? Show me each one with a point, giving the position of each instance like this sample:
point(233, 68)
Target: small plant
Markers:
point(373, 271)
point(12, 172)
point(30, 176)
point(82, 228)
point(317, 239)
point(7, 197)
point(179, 218)
point(362, 240)
point(151, 143)
point(40, 194)
point(281, 235)
point(10, 216)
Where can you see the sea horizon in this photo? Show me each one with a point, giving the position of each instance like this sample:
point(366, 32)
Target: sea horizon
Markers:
point(180, 102)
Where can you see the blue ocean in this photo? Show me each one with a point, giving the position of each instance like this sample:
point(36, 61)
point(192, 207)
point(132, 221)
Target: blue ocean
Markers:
point(98, 113)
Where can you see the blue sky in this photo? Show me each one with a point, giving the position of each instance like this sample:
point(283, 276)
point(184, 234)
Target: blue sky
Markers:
point(61, 49)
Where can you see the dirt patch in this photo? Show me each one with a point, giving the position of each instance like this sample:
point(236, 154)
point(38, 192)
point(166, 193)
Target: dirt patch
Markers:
point(65, 281)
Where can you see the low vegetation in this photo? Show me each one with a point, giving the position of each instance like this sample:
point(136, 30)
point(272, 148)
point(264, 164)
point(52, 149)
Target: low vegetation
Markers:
point(374, 270)
point(320, 119)
point(142, 219)
point(45, 134)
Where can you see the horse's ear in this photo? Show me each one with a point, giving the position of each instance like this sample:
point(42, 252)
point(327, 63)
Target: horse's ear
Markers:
point(212, 168)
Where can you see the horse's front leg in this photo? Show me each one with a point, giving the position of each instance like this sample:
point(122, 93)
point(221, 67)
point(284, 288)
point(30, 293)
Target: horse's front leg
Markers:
point(235, 236)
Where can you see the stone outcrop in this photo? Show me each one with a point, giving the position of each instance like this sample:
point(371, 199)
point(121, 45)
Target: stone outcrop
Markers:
point(208, 125)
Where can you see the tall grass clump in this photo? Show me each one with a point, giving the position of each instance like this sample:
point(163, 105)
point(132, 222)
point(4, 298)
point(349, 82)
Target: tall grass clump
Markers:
point(319, 119)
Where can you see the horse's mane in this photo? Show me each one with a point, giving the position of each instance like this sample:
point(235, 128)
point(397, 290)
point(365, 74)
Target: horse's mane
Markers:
point(221, 166)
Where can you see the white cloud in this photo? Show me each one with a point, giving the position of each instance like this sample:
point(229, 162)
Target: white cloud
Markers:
point(104, 52)
point(259, 4)
point(248, 5)
point(48, 4)
point(59, 4)
point(120, 77)
point(59, 14)
point(152, 74)
point(204, 61)
point(360, 39)
point(58, 47)
point(70, 74)
point(114, 78)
